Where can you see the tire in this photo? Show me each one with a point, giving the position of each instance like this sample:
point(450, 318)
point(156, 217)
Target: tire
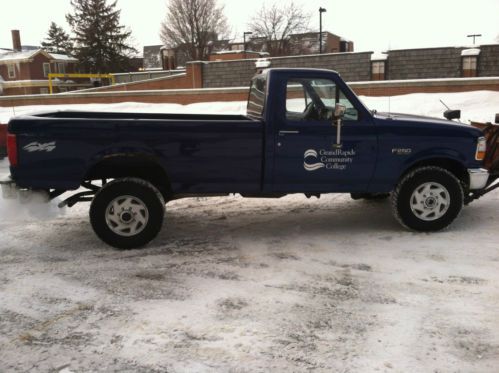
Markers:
point(427, 199)
point(140, 214)
point(370, 196)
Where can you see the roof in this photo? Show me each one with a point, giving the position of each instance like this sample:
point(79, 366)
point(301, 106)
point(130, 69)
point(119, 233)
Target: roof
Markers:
point(10, 56)
point(379, 56)
point(470, 52)
point(17, 56)
point(63, 57)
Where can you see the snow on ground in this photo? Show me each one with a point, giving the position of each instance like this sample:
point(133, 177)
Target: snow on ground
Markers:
point(252, 285)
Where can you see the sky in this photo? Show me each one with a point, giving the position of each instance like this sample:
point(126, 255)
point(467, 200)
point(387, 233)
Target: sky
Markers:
point(372, 25)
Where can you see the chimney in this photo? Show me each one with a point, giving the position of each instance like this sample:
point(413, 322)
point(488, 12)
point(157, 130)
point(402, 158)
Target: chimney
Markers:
point(16, 41)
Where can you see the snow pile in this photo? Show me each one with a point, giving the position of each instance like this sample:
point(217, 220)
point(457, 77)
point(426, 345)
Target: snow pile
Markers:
point(232, 107)
point(477, 106)
point(470, 52)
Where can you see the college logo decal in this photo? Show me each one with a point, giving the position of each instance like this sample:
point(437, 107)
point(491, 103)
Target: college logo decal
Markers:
point(337, 159)
point(311, 153)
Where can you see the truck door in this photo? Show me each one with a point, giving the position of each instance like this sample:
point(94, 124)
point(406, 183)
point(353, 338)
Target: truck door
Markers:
point(307, 158)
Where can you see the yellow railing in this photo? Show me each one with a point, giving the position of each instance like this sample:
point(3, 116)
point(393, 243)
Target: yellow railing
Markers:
point(52, 76)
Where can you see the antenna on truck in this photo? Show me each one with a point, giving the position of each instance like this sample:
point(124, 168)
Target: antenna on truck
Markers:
point(443, 103)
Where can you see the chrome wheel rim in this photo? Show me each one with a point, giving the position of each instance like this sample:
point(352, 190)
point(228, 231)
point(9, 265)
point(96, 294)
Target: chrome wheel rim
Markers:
point(430, 201)
point(127, 216)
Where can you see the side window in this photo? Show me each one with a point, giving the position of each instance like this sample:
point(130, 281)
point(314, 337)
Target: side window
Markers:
point(314, 100)
point(296, 100)
point(12, 71)
point(351, 113)
point(46, 69)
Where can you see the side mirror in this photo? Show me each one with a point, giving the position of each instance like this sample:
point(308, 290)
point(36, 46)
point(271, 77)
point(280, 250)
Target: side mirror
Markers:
point(452, 114)
point(497, 118)
point(339, 111)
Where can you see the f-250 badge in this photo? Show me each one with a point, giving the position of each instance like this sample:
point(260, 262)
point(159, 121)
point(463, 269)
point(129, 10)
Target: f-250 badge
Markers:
point(39, 147)
point(401, 151)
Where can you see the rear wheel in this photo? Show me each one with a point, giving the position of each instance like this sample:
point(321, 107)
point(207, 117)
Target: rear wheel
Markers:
point(427, 199)
point(127, 213)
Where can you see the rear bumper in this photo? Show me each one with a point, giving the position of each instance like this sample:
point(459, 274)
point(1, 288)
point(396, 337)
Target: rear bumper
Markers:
point(478, 178)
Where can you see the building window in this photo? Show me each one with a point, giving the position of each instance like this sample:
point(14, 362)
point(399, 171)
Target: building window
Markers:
point(61, 68)
point(46, 69)
point(12, 71)
point(378, 70)
point(469, 66)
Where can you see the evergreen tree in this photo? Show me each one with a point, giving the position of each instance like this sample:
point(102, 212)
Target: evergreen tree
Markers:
point(100, 43)
point(57, 41)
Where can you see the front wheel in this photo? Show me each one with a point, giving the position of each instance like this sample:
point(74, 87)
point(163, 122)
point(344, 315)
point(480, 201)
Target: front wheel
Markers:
point(127, 213)
point(427, 199)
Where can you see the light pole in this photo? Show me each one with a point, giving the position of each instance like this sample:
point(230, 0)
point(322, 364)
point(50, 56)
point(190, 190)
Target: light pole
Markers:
point(474, 36)
point(321, 10)
point(244, 39)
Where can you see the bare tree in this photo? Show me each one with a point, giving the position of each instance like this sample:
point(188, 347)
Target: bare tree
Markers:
point(193, 26)
point(276, 23)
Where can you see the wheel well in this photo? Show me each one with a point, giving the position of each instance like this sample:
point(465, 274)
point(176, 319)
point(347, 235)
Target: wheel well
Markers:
point(456, 168)
point(140, 166)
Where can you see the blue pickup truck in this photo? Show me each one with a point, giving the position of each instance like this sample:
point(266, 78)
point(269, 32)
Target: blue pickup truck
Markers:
point(305, 132)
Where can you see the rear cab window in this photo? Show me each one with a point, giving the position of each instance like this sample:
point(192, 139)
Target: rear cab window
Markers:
point(256, 99)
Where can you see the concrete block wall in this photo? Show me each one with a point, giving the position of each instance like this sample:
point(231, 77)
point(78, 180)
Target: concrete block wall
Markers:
point(235, 73)
point(351, 66)
point(427, 63)
point(488, 61)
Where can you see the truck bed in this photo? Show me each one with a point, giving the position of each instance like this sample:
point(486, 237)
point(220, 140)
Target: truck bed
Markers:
point(201, 153)
point(148, 116)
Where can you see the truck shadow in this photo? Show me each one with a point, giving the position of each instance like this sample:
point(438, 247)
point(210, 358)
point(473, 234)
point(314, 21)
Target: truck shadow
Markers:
point(203, 224)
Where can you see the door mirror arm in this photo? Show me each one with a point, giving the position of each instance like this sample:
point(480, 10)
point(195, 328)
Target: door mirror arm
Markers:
point(339, 113)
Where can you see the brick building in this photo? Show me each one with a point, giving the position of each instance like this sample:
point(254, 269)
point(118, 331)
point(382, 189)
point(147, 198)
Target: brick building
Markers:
point(25, 70)
point(160, 57)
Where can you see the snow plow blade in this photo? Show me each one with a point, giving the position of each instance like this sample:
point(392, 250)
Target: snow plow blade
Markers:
point(491, 161)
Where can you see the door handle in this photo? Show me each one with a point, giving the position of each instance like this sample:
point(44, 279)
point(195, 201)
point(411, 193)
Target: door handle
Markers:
point(288, 132)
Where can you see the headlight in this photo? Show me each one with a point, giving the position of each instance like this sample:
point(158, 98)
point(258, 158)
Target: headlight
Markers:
point(481, 149)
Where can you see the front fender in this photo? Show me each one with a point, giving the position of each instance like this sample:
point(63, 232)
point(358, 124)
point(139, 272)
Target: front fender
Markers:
point(427, 155)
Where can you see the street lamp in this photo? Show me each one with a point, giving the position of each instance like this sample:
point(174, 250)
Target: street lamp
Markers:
point(474, 36)
point(244, 39)
point(321, 10)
